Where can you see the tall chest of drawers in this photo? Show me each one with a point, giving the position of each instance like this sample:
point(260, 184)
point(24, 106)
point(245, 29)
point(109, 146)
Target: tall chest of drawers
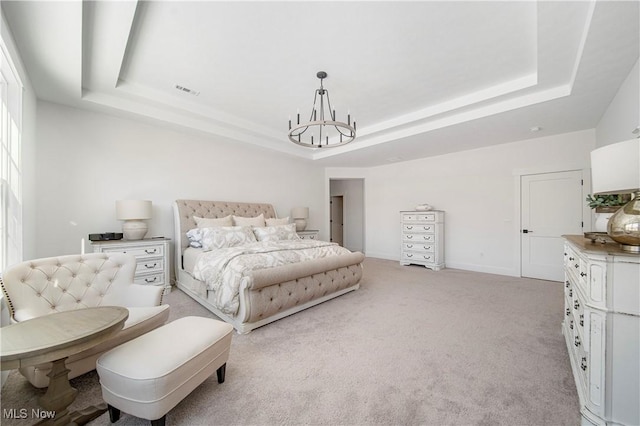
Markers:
point(152, 256)
point(602, 330)
point(422, 238)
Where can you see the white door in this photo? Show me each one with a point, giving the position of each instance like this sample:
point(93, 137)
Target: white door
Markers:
point(551, 206)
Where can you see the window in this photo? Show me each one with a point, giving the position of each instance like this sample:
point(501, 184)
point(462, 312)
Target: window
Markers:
point(11, 89)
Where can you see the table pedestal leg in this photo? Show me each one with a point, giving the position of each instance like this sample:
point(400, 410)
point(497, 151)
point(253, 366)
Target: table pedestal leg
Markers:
point(59, 395)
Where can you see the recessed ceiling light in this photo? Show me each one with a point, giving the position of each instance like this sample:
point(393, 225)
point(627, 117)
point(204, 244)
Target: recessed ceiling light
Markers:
point(535, 129)
point(187, 90)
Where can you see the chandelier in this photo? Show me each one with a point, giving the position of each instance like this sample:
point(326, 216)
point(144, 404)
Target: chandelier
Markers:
point(322, 130)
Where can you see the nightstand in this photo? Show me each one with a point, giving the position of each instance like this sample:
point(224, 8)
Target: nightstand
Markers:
point(308, 234)
point(152, 255)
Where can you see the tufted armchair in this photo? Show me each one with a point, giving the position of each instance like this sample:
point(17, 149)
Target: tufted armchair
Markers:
point(44, 286)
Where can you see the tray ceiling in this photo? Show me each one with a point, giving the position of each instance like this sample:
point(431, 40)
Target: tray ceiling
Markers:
point(421, 78)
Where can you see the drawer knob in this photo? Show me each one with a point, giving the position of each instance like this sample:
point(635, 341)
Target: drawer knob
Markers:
point(409, 237)
point(576, 342)
point(582, 320)
point(583, 363)
point(572, 258)
point(146, 265)
point(582, 274)
point(567, 284)
point(576, 266)
point(153, 251)
point(409, 245)
point(568, 311)
point(570, 292)
point(149, 280)
point(409, 255)
point(409, 227)
point(576, 304)
point(571, 324)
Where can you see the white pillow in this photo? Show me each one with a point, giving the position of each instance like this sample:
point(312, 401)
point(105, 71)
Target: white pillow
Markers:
point(210, 222)
point(276, 222)
point(195, 237)
point(249, 221)
point(226, 236)
point(276, 233)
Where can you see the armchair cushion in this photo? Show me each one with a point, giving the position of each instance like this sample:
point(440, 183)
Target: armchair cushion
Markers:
point(43, 286)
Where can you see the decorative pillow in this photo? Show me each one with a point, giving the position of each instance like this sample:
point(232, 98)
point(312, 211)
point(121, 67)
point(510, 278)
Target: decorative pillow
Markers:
point(195, 237)
point(208, 222)
point(249, 221)
point(226, 236)
point(276, 222)
point(276, 233)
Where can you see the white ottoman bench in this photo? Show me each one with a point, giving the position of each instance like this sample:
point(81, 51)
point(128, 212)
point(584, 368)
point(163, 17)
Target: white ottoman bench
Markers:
point(148, 376)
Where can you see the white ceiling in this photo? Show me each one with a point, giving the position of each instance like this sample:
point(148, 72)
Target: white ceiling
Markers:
point(420, 78)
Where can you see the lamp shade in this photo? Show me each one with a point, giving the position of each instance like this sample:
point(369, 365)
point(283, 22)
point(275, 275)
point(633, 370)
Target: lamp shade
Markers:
point(133, 209)
point(615, 168)
point(300, 212)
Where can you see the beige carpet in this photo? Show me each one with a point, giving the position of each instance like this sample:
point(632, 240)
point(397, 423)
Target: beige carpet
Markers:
point(412, 346)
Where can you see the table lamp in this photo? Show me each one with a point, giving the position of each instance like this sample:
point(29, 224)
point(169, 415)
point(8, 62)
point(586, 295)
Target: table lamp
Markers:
point(300, 215)
point(133, 212)
point(615, 169)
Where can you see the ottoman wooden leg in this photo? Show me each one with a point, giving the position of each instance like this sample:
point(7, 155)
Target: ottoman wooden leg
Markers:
point(159, 422)
point(220, 372)
point(114, 414)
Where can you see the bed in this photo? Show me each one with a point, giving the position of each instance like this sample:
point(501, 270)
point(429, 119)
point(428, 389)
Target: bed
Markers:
point(254, 295)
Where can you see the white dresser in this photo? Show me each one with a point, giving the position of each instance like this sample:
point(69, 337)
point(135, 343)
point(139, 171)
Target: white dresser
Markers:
point(602, 330)
point(422, 238)
point(152, 255)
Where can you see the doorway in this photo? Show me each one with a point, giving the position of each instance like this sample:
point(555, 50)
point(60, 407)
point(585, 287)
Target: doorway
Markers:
point(551, 206)
point(346, 213)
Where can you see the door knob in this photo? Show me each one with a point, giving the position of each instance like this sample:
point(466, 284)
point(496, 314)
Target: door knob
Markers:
point(526, 231)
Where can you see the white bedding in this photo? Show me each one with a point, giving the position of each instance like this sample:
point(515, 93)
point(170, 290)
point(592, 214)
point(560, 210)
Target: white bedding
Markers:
point(226, 270)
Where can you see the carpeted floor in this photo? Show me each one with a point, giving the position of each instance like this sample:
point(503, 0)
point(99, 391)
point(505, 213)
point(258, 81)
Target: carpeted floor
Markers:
point(411, 346)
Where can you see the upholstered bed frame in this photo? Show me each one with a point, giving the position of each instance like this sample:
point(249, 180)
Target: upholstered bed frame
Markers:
point(272, 293)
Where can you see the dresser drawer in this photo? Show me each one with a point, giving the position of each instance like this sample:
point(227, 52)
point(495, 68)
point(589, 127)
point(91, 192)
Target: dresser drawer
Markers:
point(150, 279)
point(419, 247)
point(139, 252)
point(419, 238)
point(419, 217)
point(149, 265)
point(422, 227)
point(419, 257)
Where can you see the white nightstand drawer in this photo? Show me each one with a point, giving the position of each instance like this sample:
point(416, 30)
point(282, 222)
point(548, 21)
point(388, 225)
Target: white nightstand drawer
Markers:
point(309, 234)
point(150, 279)
point(140, 252)
point(149, 265)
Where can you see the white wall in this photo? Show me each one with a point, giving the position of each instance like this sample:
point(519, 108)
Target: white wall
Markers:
point(352, 191)
point(623, 113)
point(478, 190)
point(86, 161)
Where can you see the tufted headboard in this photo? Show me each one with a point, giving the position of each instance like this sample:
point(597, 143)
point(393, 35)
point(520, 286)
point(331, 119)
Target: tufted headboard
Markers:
point(184, 210)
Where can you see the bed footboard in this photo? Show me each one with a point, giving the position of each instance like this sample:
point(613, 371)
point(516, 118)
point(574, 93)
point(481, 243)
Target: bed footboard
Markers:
point(281, 289)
